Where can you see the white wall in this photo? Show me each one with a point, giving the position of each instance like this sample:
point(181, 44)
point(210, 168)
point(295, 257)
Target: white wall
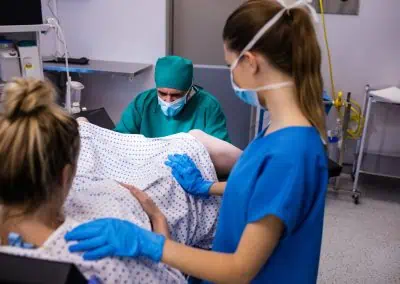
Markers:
point(123, 30)
point(365, 48)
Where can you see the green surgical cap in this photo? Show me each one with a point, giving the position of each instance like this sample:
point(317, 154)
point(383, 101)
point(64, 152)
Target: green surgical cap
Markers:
point(174, 72)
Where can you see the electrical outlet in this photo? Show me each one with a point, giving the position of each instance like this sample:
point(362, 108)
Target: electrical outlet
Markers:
point(343, 7)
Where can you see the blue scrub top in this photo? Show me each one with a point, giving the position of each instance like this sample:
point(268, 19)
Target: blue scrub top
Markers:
point(284, 174)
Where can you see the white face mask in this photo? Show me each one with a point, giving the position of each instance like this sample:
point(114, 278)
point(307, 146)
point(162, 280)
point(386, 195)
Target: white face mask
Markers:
point(175, 107)
point(250, 96)
point(172, 109)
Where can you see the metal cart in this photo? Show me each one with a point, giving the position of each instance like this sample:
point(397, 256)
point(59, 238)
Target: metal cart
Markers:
point(372, 163)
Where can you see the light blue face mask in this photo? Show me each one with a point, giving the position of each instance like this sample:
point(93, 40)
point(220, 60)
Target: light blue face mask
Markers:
point(250, 96)
point(172, 109)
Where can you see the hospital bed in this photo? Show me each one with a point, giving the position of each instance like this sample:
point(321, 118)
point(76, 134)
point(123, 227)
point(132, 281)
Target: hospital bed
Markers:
point(101, 118)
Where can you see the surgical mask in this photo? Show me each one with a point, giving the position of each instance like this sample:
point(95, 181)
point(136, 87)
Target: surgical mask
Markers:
point(172, 109)
point(250, 96)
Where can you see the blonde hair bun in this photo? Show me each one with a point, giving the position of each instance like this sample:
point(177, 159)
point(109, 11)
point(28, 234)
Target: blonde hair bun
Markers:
point(38, 139)
point(27, 97)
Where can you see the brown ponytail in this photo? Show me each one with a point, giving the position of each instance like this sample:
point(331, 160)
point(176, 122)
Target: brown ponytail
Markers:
point(37, 140)
point(291, 45)
point(306, 69)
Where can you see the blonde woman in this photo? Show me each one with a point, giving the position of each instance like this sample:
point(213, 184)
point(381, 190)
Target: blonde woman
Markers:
point(54, 175)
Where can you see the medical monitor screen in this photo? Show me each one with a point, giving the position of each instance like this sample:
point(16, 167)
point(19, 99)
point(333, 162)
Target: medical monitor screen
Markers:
point(20, 12)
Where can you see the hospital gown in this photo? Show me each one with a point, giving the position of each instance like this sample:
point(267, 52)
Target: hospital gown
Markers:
point(107, 157)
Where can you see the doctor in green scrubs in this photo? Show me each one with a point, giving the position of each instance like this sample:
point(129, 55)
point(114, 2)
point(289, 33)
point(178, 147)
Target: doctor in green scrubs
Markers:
point(174, 106)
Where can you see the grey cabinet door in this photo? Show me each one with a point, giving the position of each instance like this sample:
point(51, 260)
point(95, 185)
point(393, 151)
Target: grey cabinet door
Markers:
point(197, 29)
point(218, 82)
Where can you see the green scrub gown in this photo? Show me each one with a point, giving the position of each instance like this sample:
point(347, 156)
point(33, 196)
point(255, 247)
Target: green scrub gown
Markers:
point(144, 116)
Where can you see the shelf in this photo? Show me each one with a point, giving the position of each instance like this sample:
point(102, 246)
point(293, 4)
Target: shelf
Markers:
point(381, 165)
point(388, 95)
point(378, 100)
point(100, 66)
point(24, 29)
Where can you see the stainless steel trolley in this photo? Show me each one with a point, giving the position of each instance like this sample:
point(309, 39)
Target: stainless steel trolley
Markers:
point(372, 163)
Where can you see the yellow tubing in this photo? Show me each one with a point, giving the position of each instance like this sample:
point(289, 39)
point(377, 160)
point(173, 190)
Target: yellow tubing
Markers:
point(356, 113)
point(327, 49)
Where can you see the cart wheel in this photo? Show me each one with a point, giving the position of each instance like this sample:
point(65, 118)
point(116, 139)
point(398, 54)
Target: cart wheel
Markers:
point(356, 199)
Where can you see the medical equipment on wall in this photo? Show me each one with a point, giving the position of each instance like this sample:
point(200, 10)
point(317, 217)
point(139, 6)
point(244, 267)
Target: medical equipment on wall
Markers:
point(30, 59)
point(337, 137)
point(339, 7)
point(76, 91)
point(356, 122)
point(9, 61)
point(54, 24)
point(334, 141)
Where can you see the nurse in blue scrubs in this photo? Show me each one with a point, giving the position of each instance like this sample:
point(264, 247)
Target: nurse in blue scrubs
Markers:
point(271, 219)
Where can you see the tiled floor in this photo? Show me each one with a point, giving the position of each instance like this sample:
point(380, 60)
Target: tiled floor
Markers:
point(361, 243)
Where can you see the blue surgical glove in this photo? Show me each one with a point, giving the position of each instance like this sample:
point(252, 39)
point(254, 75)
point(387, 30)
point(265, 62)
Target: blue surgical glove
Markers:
point(188, 175)
point(112, 237)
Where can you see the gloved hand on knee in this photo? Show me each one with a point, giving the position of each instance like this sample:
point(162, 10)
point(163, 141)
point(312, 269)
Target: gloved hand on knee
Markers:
point(188, 175)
